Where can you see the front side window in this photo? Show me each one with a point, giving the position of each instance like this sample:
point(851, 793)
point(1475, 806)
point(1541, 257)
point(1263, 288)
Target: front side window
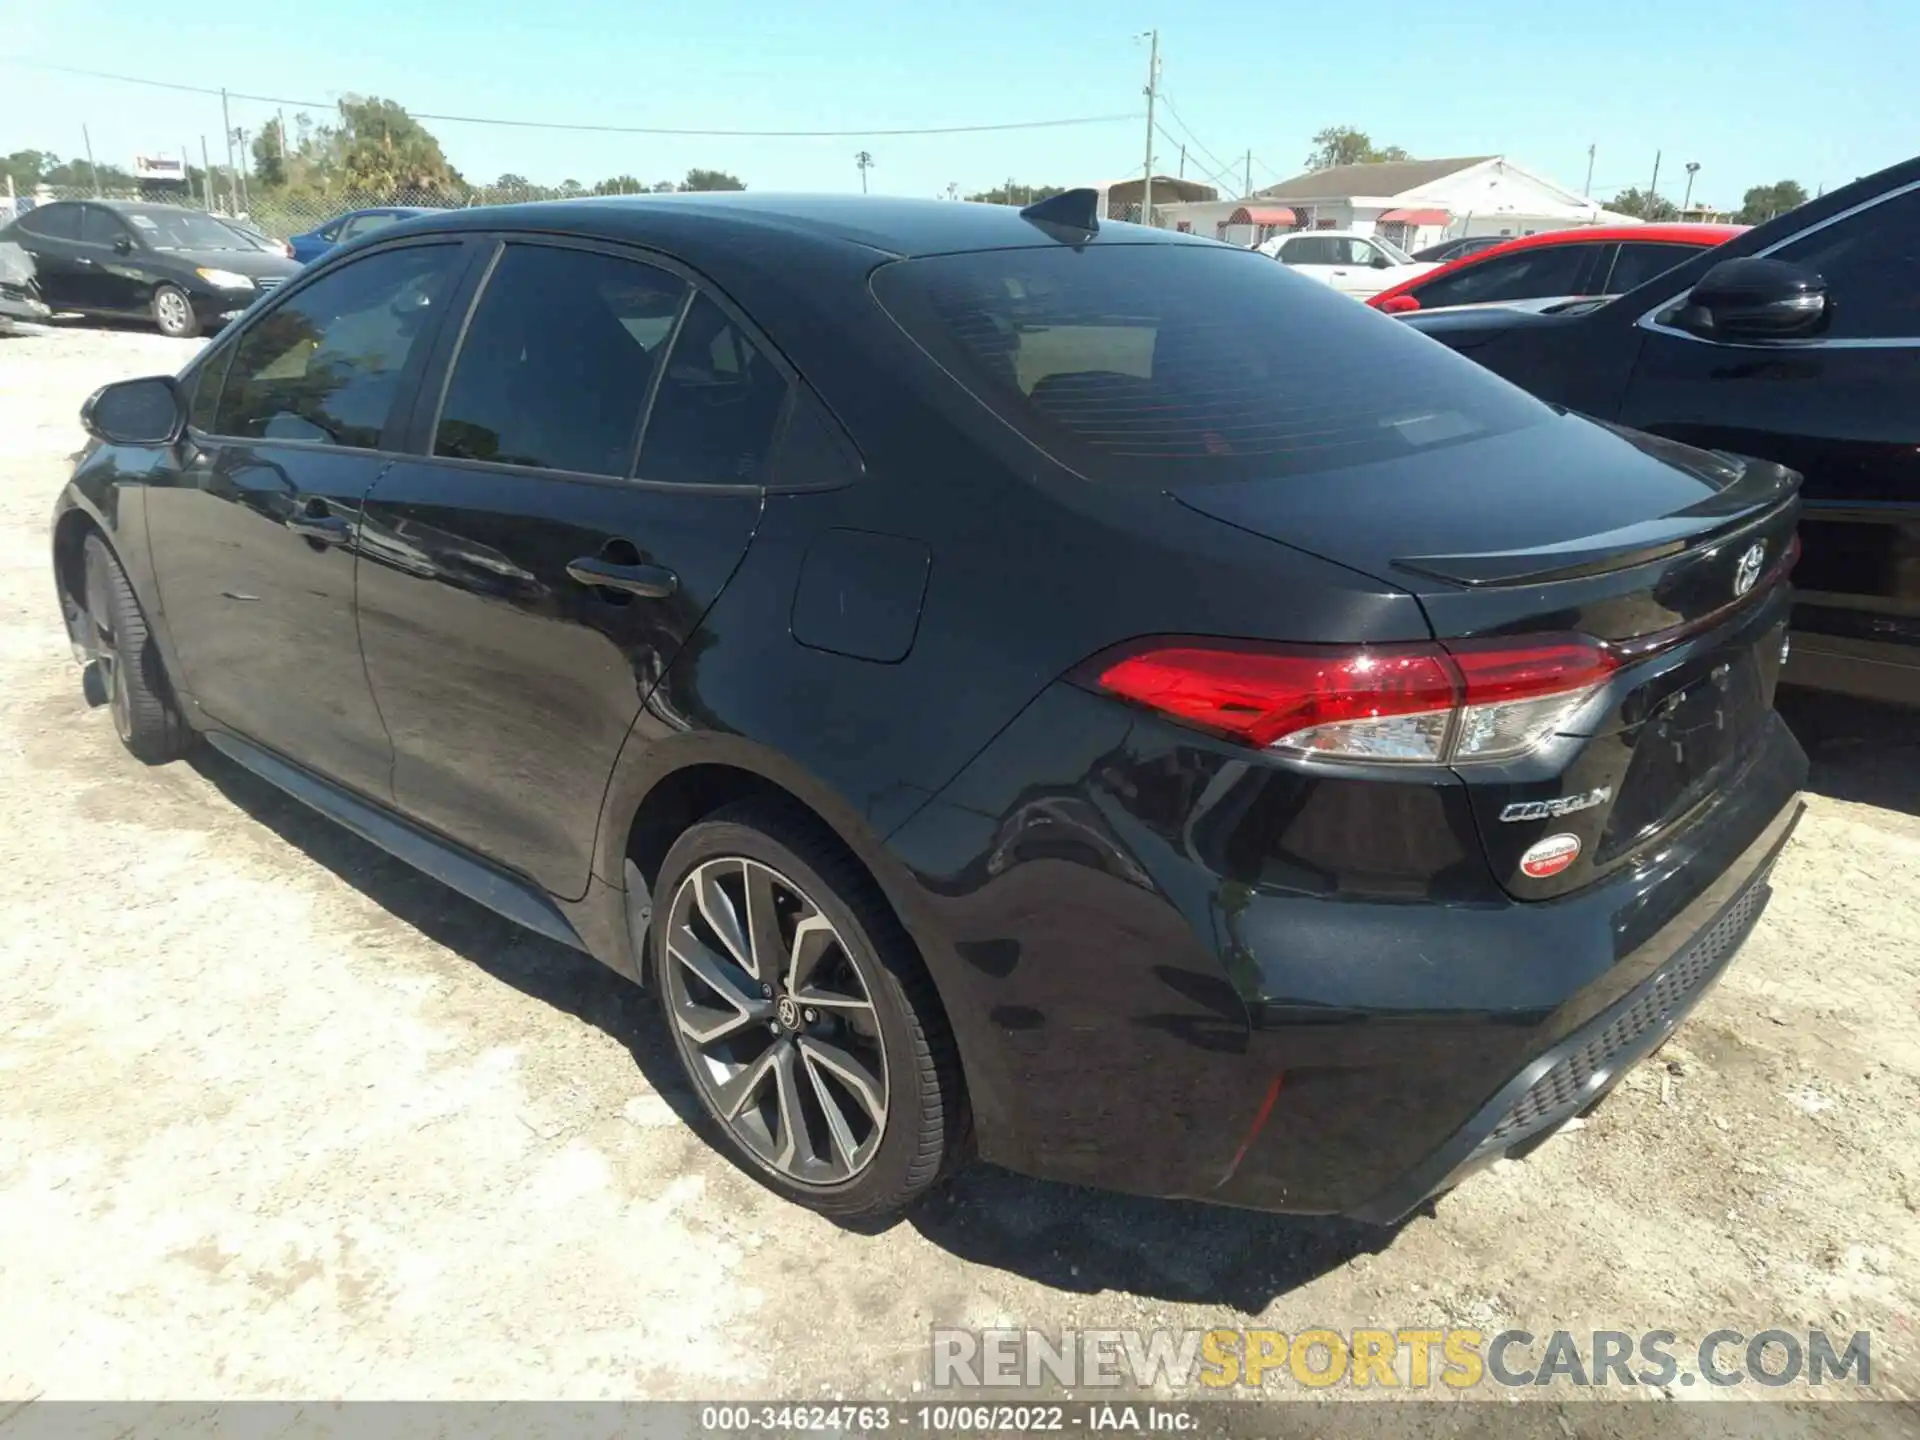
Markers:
point(719, 405)
point(326, 364)
point(1538, 274)
point(1871, 263)
point(100, 227)
point(557, 361)
point(1159, 364)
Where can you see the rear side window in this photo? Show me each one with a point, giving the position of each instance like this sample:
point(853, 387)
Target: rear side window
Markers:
point(56, 222)
point(366, 225)
point(1528, 275)
point(719, 405)
point(1158, 363)
point(1639, 262)
point(557, 361)
point(326, 364)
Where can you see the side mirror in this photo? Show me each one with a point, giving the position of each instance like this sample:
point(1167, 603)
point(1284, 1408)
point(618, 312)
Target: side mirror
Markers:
point(1399, 304)
point(1380, 262)
point(136, 412)
point(1756, 299)
point(122, 245)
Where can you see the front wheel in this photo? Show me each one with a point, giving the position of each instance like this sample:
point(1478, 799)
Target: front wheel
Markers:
point(803, 1016)
point(173, 313)
point(141, 702)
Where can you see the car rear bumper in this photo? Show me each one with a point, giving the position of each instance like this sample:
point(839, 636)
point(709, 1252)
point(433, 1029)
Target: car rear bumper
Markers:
point(1572, 1075)
point(1172, 971)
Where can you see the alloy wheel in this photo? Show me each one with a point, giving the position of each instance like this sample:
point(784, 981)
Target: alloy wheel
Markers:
point(172, 307)
point(776, 1020)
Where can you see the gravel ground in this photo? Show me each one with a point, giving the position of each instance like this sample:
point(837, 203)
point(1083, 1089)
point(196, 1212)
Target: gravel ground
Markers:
point(281, 1118)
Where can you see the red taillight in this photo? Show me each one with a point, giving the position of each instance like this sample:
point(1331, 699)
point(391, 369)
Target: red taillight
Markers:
point(1397, 304)
point(1432, 704)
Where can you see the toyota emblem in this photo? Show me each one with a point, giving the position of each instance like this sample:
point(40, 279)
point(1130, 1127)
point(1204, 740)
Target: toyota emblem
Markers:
point(1746, 574)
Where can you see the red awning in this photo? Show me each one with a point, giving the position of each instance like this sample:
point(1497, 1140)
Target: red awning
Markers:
point(1262, 215)
point(1415, 217)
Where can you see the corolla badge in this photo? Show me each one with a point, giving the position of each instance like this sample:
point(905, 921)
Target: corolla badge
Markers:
point(1554, 809)
point(1746, 573)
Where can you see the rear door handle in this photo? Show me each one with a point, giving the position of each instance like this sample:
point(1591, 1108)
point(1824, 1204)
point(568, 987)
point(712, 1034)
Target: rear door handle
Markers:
point(653, 582)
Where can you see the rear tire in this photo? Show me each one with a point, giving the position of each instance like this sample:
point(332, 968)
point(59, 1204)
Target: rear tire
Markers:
point(828, 1069)
point(137, 693)
point(173, 313)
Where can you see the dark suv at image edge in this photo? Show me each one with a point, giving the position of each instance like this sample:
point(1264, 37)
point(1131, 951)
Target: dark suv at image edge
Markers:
point(1010, 682)
point(1797, 342)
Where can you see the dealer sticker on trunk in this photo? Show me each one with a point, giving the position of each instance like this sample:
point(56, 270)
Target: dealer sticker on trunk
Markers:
point(1550, 856)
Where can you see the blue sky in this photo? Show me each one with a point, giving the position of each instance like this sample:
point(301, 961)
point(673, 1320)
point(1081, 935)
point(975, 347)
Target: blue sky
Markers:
point(1755, 91)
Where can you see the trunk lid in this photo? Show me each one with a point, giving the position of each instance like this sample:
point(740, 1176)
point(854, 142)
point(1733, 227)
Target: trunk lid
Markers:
point(1675, 557)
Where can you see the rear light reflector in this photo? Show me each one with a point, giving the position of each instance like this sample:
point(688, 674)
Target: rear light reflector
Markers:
point(1461, 703)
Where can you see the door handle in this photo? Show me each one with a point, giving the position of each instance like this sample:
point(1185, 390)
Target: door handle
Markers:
point(81, 260)
point(652, 582)
point(315, 524)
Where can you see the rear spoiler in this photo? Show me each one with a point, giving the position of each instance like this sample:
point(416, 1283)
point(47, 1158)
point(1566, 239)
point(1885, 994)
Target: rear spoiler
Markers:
point(1756, 491)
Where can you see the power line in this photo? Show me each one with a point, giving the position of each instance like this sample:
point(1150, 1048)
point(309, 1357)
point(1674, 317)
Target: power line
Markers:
point(602, 129)
point(1187, 129)
point(1173, 139)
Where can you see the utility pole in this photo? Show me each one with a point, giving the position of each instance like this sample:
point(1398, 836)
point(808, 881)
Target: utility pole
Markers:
point(226, 125)
point(1153, 84)
point(282, 112)
point(1693, 167)
point(1183, 162)
point(206, 175)
point(1588, 190)
point(93, 170)
point(864, 160)
point(1653, 190)
point(240, 175)
point(1246, 184)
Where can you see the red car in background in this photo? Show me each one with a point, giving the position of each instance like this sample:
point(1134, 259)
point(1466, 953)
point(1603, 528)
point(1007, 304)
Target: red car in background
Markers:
point(1589, 260)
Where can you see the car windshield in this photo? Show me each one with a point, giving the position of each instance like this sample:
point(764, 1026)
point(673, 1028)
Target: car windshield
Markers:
point(1159, 364)
point(186, 230)
point(1394, 252)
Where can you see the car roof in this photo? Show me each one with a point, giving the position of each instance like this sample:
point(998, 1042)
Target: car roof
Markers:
point(121, 207)
point(1702, 235)
point(893, 227)
point(1706, 237)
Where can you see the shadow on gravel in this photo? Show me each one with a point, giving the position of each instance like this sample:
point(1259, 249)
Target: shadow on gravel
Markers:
point(1087, 1241)
point(1861, 751)
point(1063, 1236)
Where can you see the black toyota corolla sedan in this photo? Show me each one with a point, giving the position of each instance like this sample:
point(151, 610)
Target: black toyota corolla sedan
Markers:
point(1011, 683)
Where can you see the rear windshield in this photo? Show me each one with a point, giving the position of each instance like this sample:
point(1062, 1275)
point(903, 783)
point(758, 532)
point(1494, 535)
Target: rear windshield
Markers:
point(1160, 363)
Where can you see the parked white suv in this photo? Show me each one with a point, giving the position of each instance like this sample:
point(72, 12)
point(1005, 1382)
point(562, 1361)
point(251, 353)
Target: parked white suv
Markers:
point(1358, 265)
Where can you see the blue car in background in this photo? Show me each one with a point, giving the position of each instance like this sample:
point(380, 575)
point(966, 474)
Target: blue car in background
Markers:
point(350, 226)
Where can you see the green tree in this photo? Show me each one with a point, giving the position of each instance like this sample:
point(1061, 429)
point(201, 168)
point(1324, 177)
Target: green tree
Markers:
point(1344, 145)
point(1012, 194)
point(1643, 205)
point(382, 150)
point(1763, 202)
point(619, 185)
point(711, 180)
point(270, 156)
point(27, 168)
